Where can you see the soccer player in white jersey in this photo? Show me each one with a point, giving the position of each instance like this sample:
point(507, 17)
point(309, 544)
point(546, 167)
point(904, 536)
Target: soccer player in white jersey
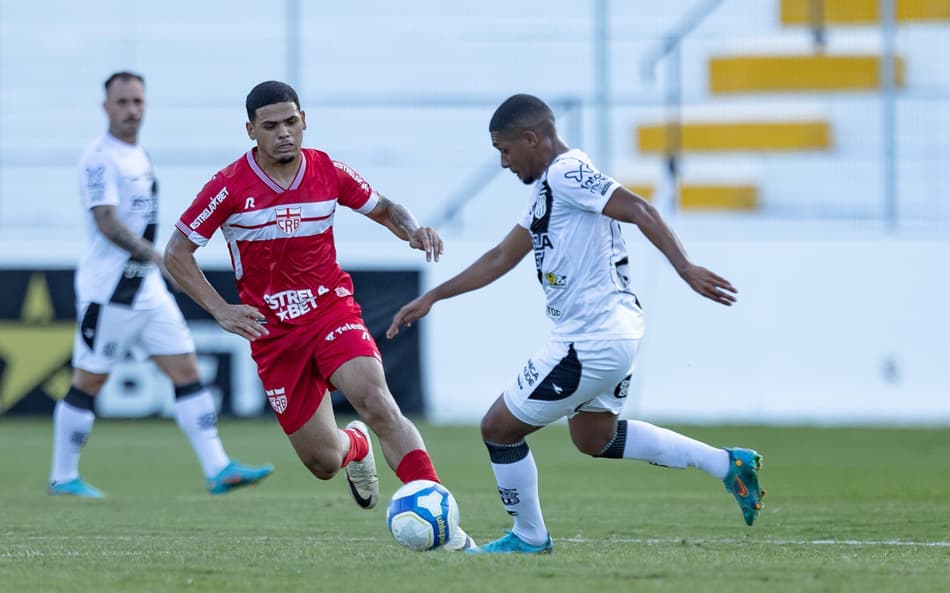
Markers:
point(122, 301)
point(572, 225)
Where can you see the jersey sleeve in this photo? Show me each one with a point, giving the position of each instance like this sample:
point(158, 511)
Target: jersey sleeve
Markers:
point(207, 212)
point(579, 183)
point(527, 216)
point(354, 191)
point(98, 183)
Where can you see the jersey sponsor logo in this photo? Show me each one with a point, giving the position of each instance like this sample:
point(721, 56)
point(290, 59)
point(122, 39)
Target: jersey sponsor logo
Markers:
point(291, 304)
point(540, 242)
point(353, 174)
point(554, 313)
point(136, 269)
point(589, 178)
point(288, 219)
point(209, 209)
point(277, 398)
point(345, 328)
point(95, 183)
point(555, 280)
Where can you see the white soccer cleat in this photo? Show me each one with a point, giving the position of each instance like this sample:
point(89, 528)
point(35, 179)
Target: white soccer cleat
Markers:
point(361, 475)
point(460, 541)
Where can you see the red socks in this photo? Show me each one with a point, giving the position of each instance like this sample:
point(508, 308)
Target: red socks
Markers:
point(358, 446)
point(416, 465)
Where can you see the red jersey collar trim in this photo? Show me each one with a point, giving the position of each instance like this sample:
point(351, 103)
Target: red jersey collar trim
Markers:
point(298, 179)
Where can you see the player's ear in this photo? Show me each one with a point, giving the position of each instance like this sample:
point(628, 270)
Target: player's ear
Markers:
point(250, 130)
point(303, 118)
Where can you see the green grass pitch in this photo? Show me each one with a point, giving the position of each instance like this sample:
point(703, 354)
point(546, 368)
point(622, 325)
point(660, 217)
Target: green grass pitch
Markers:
point(861, 510)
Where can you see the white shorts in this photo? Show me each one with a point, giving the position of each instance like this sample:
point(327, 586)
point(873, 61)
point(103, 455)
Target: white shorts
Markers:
point(565, 378)
point(106, 332)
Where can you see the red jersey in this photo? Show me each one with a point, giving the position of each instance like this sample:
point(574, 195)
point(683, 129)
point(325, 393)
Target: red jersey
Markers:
point(281, 240)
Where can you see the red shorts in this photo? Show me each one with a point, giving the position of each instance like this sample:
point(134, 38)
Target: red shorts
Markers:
point(295, 366)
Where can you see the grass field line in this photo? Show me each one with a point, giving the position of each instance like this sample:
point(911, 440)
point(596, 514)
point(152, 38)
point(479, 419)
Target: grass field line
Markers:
point(334, 540)
point(768, 542)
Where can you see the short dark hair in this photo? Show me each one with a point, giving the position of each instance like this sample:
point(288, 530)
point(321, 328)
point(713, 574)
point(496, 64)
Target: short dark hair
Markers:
point(268, 93)
point(124, 76)
point(521, 112)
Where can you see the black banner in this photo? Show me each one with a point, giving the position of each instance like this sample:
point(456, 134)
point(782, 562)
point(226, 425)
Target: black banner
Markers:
point(38, 323)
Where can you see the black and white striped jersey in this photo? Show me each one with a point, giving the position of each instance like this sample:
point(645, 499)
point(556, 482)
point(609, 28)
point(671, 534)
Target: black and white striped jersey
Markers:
point(580, 254)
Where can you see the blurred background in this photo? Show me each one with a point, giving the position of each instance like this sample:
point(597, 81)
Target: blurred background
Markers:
point(800, 148)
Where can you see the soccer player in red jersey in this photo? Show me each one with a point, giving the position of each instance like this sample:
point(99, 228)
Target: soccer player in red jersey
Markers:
point(275, 206)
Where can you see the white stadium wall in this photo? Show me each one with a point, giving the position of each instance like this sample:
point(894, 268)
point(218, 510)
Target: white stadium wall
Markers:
point(837, 322)
point(843, 328)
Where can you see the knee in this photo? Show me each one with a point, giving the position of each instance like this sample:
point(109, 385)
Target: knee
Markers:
point(379, 411)
point(321, 467)
point(592, 444)
point(490, 431)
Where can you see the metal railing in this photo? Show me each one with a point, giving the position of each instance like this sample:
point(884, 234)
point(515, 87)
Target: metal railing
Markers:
point(668, 48)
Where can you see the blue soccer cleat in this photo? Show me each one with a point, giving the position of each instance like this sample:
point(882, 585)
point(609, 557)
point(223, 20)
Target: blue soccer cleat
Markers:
point(236, 475)
point(743, 481)
point(74, 487)
point(512, 544)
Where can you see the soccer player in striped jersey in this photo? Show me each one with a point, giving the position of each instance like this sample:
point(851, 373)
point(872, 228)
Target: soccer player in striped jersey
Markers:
point(275, 206)
point(571, 224)
point(122, 302)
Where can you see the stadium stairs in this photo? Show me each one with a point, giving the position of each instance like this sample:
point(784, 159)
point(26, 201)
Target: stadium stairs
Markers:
point(764, 124)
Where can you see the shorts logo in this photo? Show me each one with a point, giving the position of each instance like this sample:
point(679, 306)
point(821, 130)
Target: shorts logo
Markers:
point(277, 399)
point(341, 292)
point(622, 388)
point(530, 374)
point(345, 328)
point(288, 220)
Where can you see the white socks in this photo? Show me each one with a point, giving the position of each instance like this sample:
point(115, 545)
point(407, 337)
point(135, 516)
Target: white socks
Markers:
point(661, 446)
point(71, 427)
point(517, 476)
point(197, 418)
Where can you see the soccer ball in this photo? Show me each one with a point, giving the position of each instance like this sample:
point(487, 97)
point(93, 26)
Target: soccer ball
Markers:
point(422, 515)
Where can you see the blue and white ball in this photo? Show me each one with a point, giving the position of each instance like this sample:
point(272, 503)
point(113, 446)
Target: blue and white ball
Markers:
point(422, 515)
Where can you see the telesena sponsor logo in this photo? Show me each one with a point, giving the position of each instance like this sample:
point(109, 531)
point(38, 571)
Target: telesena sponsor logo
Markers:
point(345, 328)
point(209, 209)
point(291, 304)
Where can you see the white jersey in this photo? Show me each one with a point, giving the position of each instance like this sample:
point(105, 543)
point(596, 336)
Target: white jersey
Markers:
point(114, 173)
point(580, 254)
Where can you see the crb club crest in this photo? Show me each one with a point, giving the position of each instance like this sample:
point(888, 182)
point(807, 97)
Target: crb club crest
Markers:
point(288, 220)
point(277, 398)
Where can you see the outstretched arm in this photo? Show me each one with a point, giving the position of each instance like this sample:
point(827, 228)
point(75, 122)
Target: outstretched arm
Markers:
point(398, 219)
point(242, 320)
point(493, 264)
point(627, 206)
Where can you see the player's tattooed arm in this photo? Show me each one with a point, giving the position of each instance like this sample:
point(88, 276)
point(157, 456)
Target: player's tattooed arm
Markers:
point(398, 219)
point(118, 233)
